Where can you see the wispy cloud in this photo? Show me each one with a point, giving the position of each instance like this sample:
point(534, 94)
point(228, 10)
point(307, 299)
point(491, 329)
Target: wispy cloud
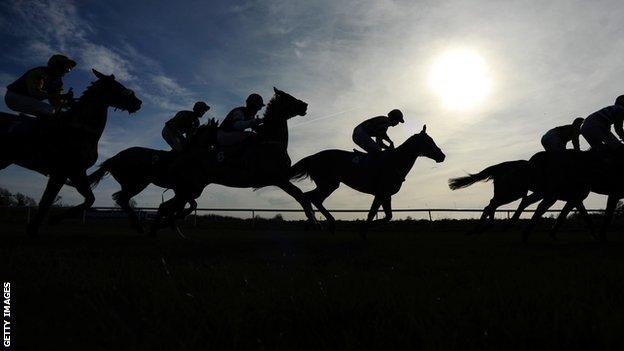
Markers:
point(350, 60)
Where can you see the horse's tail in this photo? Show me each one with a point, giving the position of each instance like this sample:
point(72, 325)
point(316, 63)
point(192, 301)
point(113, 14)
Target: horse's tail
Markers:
point(301, 169)
point(485, 175)
point(99, 174)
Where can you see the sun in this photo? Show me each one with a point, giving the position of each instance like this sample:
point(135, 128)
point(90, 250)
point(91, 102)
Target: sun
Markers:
point(461, 79)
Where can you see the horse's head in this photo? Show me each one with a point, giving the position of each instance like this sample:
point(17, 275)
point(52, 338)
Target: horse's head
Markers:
point(285, 106)
point(425, 146)
point(114, 93)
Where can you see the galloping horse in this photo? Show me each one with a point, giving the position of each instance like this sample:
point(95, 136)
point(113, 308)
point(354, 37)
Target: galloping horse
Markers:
point(511, 183)
point(380, 175)
point(66, 146)
point(137, 167)
point(264, 162)
point(573, 174)
point(566, 175)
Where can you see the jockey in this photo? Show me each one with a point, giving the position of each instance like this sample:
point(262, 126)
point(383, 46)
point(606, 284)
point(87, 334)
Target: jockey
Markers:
point(557, 138)
point(377, 128)
point(28, 92)
point(232, 128)
point(183, 125)
point(597, 127)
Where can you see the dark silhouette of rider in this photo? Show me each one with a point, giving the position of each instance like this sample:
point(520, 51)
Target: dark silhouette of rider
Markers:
point(183, 126)
point(28, 92)
point(597, 127)
point(376, 127)
point(233, 127)
point(557, 138)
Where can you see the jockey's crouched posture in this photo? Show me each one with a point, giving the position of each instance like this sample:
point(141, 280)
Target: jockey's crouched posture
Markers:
point(28, 92)
point(376, 127)
point(557, 138)
point(597, 127)
point(183, 125)
point(232, 128)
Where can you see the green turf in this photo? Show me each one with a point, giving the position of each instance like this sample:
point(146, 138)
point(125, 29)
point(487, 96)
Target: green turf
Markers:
point(410, 285)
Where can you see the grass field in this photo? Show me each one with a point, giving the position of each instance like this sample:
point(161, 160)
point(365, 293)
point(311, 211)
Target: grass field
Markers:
point(410, 285)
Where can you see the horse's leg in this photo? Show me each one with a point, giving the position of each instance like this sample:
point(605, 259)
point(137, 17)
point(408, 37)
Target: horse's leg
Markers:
point(561, 218)
point(298, 195)
point(590, 225)
point(539, 212)
point(55, 183)
point(162, 210)
point(386, 204)
point(187, 211)
point(122, 198)
point(81, 184)
point(488, 213)
point(612, 202)
point(167, 211)
point(371, 215)
point(318, 196)
point(526, 202)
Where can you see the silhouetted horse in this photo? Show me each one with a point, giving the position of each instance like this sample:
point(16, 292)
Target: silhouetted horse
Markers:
point(379, 175)
point(570, 176)
point(511, 183)
point(260, 163)
point(137, 167)
point(550, 176)
point(64, 147)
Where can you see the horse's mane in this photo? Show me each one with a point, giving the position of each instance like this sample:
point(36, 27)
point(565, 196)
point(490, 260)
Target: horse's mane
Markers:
point(273, 108)
point(92, 90)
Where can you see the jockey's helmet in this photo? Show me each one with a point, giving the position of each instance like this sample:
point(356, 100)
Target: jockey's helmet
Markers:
point(254, 101)
point(201, 107)
point(578, 121)
point(396, 115)
point(61, 63)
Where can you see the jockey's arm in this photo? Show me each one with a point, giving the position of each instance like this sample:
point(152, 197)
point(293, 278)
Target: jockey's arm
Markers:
point(242, 125)
point(619, 130)
point(193, 130)
point(576, 143)
point(56, 100)
point(34, 84)
point(379, 141)
point(387, 138)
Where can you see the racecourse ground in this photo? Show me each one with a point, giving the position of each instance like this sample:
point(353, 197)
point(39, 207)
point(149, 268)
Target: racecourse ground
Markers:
point(99, 286)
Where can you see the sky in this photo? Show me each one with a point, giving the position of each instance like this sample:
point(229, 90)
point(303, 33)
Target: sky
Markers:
point(543, 62)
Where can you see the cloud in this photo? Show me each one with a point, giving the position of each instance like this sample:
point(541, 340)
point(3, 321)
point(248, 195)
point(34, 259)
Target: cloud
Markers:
point(106, 61)
point(49, 27)
point(352, 60)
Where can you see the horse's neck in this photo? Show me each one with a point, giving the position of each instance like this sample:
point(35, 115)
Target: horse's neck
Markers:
point(276, 132)
point(404, 156)
point(91, 115)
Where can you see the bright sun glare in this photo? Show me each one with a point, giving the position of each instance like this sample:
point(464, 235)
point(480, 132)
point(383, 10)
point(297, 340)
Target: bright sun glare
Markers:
point(461, 79)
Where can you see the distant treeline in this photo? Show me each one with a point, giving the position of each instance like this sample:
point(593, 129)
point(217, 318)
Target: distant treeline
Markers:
point(9, 199)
